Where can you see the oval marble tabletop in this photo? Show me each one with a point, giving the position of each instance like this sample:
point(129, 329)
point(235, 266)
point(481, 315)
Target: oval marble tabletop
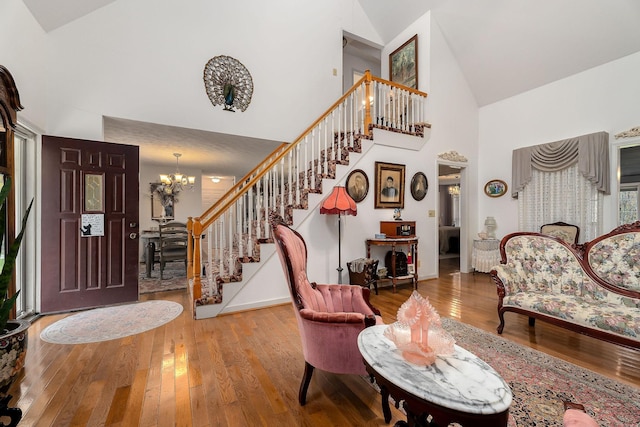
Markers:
point(462, 381)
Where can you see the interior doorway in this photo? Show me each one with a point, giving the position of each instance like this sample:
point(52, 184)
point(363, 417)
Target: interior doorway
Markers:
point(358, 55)
point(451, 218)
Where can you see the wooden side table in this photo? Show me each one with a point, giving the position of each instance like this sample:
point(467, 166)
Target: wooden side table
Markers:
point(411, 243)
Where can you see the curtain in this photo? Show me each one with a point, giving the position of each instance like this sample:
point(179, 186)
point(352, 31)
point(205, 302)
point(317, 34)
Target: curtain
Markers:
point(561, 196)
point(590, 152)
point(562, 181)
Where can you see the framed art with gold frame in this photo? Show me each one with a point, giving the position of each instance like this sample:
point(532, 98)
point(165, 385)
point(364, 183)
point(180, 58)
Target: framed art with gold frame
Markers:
point(389, 185)
point(495, 188)
point(357, 185)
point(403, 64)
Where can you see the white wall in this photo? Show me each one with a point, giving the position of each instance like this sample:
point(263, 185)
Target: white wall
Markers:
point(122, 61)
point(23, 46)
point(604, 98)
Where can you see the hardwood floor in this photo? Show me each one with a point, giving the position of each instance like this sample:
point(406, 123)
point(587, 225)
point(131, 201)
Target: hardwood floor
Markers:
point(245, 368)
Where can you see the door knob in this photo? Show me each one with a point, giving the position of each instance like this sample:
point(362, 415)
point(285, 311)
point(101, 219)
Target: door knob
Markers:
point(133, 236)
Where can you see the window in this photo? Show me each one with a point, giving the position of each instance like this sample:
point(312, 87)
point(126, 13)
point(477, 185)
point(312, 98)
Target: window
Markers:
point(629, 204)
point(24, 187)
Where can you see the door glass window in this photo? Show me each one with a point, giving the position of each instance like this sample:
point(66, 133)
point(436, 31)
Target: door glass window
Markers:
point(93, 193)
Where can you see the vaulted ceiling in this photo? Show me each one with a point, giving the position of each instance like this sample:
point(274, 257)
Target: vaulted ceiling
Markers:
point(504, 47)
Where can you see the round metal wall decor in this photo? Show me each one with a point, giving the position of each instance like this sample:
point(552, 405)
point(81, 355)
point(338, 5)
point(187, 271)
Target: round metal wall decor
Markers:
point(228, 83)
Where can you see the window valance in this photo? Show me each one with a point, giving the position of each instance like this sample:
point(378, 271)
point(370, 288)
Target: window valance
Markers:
point(591, 152)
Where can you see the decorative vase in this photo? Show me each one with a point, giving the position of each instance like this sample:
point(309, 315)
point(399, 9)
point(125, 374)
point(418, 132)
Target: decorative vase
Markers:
point(13, 351)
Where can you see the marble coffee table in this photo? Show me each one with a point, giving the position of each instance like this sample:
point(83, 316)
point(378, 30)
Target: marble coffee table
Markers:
point(459, 388)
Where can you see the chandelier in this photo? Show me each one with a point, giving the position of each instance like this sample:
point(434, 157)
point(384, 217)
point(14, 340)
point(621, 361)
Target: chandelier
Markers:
point(173, 183)
point(454, 190)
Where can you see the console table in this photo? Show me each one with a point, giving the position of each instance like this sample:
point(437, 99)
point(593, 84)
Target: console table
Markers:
point(412, 244)
point(460, 388)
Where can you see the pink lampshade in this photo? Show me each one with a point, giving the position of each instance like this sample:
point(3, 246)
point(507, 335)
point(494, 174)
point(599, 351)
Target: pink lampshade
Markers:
point(339, 202)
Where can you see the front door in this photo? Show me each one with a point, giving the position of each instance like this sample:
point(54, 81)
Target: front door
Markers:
point(89, 224)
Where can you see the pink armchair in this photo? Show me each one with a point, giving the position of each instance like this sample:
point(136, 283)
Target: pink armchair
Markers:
point(330, 317)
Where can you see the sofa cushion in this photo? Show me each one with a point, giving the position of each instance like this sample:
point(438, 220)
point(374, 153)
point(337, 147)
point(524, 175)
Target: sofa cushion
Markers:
point(539, 264)
point(616, 260)
point(610, 317)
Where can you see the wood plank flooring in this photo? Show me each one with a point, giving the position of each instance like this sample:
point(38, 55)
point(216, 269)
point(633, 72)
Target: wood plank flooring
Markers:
point(245, 368)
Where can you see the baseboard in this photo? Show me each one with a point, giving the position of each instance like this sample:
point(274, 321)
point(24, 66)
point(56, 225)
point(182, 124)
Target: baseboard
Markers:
point(255, 305)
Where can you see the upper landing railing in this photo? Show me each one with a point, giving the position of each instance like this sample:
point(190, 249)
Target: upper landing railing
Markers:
point(238, 221)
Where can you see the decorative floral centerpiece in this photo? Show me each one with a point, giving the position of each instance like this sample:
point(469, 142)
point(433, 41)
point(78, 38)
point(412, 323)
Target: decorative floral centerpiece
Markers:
point(418, 333)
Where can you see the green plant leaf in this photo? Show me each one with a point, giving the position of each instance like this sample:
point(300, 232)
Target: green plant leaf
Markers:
point(7, 302)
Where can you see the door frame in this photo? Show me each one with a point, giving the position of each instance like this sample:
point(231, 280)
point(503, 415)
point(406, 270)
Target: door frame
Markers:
point(464, 216)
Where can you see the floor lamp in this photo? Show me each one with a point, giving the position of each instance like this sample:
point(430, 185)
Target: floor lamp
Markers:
point(339, 202)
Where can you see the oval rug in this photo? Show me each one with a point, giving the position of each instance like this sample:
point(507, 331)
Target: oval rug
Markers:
point(109, 323)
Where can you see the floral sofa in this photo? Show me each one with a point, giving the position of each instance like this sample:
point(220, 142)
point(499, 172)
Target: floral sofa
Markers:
point(592, 288)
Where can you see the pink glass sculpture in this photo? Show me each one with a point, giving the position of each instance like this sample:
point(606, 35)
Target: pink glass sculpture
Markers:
point(418, 332)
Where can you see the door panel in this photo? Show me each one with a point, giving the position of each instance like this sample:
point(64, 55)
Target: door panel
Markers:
point(83, 267)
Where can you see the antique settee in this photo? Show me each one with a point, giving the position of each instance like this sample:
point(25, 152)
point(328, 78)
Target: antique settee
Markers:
point(592, 288)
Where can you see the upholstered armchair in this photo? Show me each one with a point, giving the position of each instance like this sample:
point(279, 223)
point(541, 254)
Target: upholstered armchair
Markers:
point(330, 317)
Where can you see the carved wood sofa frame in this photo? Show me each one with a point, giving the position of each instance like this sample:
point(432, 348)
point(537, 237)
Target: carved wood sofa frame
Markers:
point(592, 288)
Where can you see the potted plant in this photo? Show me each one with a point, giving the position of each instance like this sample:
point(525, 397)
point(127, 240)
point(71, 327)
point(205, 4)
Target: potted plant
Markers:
point(13, 333)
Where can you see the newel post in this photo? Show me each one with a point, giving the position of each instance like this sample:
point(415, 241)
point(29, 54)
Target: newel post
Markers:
point(190, 247)
point(367, 102)
point(197, 268)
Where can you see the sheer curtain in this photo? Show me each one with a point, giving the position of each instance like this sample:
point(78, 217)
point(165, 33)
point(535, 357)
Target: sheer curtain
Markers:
point(566, 196)
point(562, 181)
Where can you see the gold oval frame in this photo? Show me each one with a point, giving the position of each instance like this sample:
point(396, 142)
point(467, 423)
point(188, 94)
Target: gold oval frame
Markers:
point(495, 188)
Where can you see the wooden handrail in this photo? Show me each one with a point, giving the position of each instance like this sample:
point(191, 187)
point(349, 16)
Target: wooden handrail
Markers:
point(240, 182)
point(367, 78)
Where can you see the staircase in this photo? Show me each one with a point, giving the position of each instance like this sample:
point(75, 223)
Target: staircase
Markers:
point(236, 226)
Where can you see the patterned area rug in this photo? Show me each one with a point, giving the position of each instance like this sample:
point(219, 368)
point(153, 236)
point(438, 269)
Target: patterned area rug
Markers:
point(540, 382)
point(109, 323)
point(174, 278)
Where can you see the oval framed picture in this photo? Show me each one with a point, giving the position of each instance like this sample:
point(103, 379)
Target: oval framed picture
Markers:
point(357, 185)
point(495, 188)
point(419, 186)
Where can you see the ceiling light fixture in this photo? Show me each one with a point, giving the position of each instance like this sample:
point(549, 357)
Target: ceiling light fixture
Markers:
point(173, 183)
point(215, 179)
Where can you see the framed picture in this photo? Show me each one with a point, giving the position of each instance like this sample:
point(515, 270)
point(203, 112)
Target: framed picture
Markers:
point(495, 188)
point(357, 185)
point(403, 64)
point(162, 205)
point(389, 185)
point(419, 186)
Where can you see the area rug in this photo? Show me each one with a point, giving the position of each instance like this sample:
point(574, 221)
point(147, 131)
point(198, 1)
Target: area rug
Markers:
point(174, 278)
point(540, 383)
point(109, 323)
